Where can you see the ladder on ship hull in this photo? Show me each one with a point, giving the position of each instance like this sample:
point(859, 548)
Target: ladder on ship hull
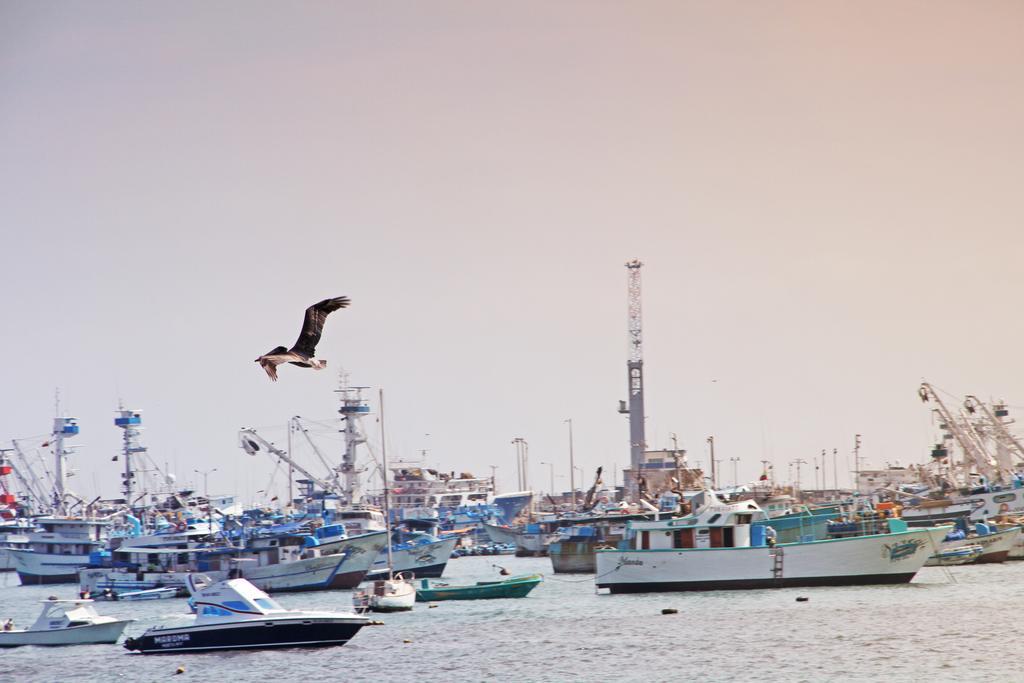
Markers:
point(777, 558)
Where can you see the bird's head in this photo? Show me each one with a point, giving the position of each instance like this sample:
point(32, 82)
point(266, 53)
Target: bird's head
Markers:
point(272, 352)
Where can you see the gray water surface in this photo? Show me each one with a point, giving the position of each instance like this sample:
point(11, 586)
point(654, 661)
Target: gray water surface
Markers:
point(949, 624)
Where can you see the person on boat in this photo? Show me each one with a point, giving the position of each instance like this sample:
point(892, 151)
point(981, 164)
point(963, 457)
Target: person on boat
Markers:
point(769, 532)
point(9, 625)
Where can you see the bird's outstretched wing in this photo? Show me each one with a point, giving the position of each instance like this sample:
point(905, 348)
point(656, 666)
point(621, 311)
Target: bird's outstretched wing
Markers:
point(313, 325)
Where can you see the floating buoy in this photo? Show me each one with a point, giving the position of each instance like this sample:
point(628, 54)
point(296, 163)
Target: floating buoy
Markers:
point(802, 599)
point(375, 623)
point(670, 610)
point(406, 641)
point(432, 605)
point(180, 670)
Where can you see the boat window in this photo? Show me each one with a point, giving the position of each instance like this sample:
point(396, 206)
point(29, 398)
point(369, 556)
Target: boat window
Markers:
point(714, 518)
point(1004, 498)
point(212, 611)
point(236, 604)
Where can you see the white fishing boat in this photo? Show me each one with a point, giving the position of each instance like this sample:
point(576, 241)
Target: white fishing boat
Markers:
point(13, 535)
point(722, 546)
point(272, 564)
point(66, 622)
point(55, 554)
point(234, 614)
point(415, 551)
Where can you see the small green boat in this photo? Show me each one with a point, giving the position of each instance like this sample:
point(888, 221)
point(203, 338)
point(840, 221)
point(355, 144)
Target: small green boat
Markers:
point(515, 587)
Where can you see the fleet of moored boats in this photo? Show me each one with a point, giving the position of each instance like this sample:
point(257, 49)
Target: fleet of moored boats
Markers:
point(228, 561)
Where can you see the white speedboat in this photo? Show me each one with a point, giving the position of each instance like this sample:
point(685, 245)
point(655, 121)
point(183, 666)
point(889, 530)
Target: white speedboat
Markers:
point(66, 622)
point(234, 614)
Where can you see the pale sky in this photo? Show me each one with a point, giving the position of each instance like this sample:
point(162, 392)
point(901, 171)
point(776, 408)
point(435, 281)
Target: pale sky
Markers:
point(826, 195)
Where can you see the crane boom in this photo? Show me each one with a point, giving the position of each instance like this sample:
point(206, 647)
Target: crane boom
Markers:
point(252, 443)
point(965, 438)
point(1008, 440)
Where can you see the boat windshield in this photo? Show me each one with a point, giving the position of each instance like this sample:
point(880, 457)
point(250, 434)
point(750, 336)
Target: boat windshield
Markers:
point(268, 604)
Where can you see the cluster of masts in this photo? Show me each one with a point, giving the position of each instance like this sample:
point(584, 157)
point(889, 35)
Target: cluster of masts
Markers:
point(43, 486)
point(981, 433)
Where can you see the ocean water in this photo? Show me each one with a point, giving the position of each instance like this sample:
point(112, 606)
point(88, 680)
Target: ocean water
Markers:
point(950, 624)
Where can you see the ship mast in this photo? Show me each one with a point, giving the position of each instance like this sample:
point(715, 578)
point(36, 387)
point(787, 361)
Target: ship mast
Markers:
point(353, 407)
point(63, 427)
point(131, 422)
point(387, 492)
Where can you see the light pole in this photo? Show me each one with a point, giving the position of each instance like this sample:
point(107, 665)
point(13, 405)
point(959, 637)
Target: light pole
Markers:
point(206, 489)
point(835, 471)
point(494, 482)
point(798, 462)
point(572, 466)
point(551, 470)
point(856, 460)
point(570, 484)
point(735, 477)
point(714, 479)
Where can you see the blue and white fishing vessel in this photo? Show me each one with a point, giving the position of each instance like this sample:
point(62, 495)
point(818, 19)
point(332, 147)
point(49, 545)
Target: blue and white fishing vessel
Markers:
point(415, 551)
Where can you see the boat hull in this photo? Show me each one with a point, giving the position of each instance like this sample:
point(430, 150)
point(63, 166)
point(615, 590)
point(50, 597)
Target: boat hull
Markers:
point(330, 572)
point(865, 560)
point(513, 588)
point(42, 568)
point(120, 581)
point(107, 632)
point(499, 534)
point(427, 560)
point(574, 557)
point(995, 546)
point(533, 544)
point(258, 634)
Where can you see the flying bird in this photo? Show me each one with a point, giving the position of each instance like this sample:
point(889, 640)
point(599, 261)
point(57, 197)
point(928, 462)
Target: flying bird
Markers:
point(302, 351)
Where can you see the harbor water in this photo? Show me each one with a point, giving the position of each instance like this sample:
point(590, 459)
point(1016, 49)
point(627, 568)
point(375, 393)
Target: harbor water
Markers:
point(955, 623)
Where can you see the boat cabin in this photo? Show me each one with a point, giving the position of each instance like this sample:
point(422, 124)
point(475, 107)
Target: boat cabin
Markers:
point(716, 524)
point(59, 614)
point(231, 598)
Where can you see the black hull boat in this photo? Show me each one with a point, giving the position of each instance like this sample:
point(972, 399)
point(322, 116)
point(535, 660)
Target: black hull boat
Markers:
point(235, 615)
point(261, 634)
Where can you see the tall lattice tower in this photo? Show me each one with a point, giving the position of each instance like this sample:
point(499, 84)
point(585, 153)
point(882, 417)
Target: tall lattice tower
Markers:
point(635, 367)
